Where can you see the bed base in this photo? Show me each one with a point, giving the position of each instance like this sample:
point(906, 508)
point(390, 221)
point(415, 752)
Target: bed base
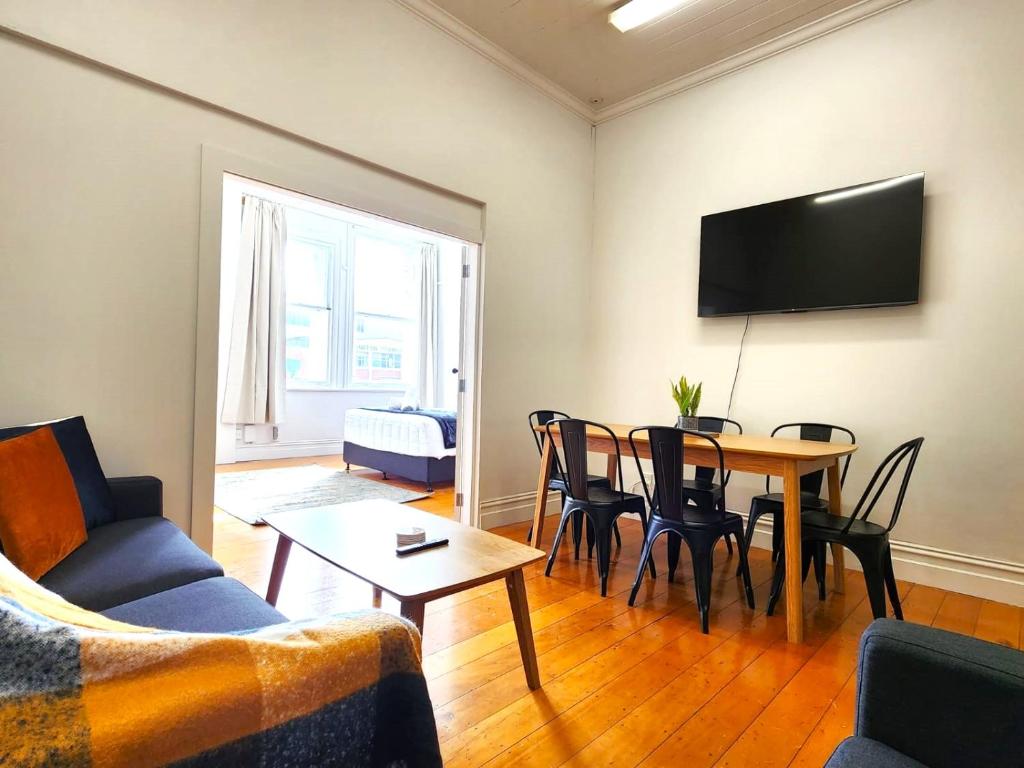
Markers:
point(422, 469)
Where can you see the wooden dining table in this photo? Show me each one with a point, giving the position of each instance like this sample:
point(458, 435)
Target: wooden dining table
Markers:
point(778, 457)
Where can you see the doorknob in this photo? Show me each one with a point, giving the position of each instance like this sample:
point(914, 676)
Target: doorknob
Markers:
point(455, 370)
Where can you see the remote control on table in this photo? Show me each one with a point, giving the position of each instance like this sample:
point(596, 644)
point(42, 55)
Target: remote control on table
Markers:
point(408, 549)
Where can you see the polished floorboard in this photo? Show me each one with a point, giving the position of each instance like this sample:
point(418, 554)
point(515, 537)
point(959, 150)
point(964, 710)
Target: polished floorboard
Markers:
point(623, 686)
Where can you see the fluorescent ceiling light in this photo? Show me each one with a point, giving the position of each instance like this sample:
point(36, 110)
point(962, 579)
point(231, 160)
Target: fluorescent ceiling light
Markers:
point(866, 189)
point(637, 12)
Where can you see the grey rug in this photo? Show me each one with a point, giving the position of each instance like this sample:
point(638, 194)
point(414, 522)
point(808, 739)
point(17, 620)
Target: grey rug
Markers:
point(250, 495)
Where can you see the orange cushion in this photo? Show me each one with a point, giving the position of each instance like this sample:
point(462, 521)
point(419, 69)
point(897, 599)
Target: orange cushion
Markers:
point(41, 519)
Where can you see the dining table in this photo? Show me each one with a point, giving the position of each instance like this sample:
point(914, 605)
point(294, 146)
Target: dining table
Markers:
point(774, 456)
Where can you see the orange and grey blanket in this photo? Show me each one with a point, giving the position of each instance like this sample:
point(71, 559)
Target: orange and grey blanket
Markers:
point(79, 689)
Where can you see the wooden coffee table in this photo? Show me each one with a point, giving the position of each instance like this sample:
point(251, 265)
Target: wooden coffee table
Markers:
point(360, 538)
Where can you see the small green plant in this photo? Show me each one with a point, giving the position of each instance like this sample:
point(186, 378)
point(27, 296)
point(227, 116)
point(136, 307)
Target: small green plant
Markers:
point(687, 397)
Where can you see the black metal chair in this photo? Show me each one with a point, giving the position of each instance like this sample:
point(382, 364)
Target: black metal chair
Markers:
point(810, 494)
point(867, 540)
point(703, 483)
point(700, 524)
point(601, 505)
point(558, 483)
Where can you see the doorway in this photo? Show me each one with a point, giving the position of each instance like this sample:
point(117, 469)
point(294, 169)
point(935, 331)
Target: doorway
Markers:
point(355, 307)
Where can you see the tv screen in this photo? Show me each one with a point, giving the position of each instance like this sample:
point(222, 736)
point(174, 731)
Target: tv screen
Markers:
point(858, 246)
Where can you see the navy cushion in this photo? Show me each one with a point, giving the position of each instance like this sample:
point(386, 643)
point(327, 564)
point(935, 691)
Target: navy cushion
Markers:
point(127, 560)
point(76, 445)
point(211, 605)
point(859, 752)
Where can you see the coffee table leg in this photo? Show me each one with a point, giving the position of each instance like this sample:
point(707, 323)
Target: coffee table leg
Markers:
point(524, 631)
point(414, 613)
point(378, 595)
point(284, 547)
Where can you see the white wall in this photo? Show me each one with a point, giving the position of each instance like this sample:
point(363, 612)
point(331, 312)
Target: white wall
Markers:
point(100, 194)
point(934, 86)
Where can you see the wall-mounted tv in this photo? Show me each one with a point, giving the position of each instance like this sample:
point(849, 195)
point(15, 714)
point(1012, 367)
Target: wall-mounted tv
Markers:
point(858, 246)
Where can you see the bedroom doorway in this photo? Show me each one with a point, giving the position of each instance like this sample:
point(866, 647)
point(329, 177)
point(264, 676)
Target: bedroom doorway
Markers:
point(347, 361)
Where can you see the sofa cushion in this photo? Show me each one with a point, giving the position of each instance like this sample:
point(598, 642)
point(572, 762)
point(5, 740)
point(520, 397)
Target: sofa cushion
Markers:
point(127, 560)
point(859, 752)
point(211, 605)
point(76, 445)
point(41, 519)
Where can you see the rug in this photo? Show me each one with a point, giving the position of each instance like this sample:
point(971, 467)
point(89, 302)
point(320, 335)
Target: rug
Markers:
point(251, 495)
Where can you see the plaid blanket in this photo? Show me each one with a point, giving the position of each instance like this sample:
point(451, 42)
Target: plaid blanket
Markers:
point(79, 689)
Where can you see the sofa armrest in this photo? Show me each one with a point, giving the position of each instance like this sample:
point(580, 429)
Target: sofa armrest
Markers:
point(137, 496)
point(940, 698)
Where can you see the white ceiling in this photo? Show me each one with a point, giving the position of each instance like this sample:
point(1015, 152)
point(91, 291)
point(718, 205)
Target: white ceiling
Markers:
point(570, 43)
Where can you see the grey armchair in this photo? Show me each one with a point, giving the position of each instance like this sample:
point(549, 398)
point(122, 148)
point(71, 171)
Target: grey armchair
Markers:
point(926, 697)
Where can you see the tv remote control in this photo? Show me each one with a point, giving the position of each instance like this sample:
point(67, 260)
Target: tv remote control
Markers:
point(408, 549)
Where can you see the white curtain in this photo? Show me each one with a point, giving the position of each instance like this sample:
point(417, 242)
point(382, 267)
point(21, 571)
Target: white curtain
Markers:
point(255, 385)
point(428, 373)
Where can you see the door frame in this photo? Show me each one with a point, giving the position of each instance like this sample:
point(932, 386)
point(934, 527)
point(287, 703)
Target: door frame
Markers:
point(215, 163)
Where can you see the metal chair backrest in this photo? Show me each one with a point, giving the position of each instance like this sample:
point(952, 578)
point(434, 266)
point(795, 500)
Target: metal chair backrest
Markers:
point(908, 452)
point(821, 433)
point(571, 454)
point(667, 446)
point(714, 424)
point(540, 419)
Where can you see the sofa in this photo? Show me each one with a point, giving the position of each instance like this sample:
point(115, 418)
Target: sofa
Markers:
point(926, 697)
point(141, 569)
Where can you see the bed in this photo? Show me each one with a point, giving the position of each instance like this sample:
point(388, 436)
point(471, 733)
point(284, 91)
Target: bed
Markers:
point(417, 445)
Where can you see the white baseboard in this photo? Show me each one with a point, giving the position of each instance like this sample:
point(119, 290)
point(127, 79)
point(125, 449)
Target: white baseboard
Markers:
point(262, 451)
point(517, 508)
point(998, 580)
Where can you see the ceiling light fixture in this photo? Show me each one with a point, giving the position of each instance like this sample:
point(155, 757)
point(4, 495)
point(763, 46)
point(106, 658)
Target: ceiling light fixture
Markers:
point(637, 12)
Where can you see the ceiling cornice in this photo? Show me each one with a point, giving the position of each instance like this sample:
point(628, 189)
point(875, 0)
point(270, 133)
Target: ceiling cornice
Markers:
point(765, 50)
point(468, 36)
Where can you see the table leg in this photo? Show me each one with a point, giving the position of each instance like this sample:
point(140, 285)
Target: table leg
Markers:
point(284, 547)
point(414, 612)
point(516, 586)
point(835, 506)
point(540, 508)
point(378, 596)
point(791, 528)
point(612, 470)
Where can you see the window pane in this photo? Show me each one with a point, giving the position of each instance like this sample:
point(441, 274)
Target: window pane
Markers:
point(308, 322)
point(308, 334)
point(307, 270)
point(386, 277)
point(386, 294)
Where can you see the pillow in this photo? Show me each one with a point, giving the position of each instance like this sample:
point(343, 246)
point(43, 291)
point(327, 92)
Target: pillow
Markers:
point(80, 455)
point(41, 520)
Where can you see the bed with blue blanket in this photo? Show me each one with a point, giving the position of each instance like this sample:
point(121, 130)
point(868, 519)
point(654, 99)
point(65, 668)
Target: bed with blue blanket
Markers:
point(415, 444)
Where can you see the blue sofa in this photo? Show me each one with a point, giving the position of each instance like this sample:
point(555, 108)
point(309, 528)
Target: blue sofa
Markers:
point(143, 570)
point(926, 697)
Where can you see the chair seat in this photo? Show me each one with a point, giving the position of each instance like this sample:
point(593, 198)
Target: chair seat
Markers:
point(696, 485)
point(813, 522)
point(593, 481)
point(696, 518)
point(606, 497)
point(807, 500)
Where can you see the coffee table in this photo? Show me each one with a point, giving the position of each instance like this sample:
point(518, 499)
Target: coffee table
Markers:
point(359, 538)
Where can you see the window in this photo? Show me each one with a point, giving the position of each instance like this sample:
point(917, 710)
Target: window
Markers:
point(308, 314)
point(385, 301)
point(352, 305)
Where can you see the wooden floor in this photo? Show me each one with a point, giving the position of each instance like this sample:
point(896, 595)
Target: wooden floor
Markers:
point(626, 686)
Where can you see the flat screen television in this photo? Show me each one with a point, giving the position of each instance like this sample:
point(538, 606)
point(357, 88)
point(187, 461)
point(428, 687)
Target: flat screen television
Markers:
point(857, 246)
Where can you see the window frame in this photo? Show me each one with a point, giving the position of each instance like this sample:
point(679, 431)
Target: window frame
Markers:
point(341, 287)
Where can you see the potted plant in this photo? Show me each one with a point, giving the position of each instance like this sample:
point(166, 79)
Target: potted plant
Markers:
point(687, 397)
